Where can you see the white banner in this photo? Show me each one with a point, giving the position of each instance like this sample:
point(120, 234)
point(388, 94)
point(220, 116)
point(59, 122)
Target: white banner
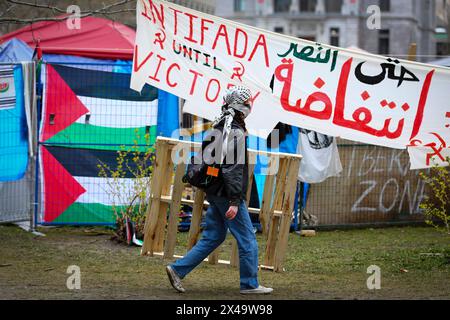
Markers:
point(339, 92)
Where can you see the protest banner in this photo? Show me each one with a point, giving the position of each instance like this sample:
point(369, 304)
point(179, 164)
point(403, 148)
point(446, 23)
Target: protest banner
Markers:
point(338, 92)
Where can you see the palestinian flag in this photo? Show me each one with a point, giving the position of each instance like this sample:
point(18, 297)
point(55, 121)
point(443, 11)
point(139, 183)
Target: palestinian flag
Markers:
point(75, 192)
point(88, 117)
point(96, 109)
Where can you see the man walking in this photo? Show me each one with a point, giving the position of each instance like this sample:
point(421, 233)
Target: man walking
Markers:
point(227, 198)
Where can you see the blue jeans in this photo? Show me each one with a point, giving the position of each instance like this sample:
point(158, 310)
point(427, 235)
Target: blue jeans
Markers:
point(215, 233)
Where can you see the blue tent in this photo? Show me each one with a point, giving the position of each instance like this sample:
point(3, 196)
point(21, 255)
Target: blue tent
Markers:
point(14, 51)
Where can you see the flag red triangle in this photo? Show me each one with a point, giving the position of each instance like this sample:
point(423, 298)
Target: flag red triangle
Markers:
point(60, 189)
point(62, 105)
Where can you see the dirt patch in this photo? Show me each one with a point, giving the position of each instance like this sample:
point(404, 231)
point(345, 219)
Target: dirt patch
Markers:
point(414, 264)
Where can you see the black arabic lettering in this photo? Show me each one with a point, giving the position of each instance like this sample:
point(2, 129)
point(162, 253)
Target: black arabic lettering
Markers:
point(387, 70)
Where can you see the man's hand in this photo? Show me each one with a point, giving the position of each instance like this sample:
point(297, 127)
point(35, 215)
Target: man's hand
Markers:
point(232, 212)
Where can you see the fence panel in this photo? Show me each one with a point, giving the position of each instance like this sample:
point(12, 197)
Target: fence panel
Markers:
point(376, 186)
point(89, 115)
point(16, 168)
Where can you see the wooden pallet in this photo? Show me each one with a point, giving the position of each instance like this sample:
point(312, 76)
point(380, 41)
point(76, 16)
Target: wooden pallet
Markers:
point(275, 215)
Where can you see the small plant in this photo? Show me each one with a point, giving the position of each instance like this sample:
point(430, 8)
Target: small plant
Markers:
point(130, 199)
point(437, 206)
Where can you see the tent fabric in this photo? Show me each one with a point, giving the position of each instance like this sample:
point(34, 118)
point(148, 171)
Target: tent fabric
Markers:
point(97, 38)
point(13, 125)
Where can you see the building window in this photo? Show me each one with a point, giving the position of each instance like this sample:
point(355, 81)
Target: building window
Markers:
point(333, 6)
point(334, 37)
point(279, 29)
point(239, 5)
point(385, 5)
point(383, 42)
point(281, 5)
point(308, 5)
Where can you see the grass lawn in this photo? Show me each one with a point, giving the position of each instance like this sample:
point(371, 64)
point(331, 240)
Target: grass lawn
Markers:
point(414, 262)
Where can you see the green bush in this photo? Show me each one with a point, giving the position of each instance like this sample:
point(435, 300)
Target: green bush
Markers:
point(436, 207)
point(130, 203)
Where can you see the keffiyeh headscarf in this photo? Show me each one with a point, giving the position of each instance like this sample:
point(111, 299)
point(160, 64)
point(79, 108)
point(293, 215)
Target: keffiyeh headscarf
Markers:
point(234, 100)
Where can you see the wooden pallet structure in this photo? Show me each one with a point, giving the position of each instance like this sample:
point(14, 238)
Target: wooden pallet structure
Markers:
point(275, 215)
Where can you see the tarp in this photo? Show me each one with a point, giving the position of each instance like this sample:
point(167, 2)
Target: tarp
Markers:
point(15, 50)
point(97, 38)
point(89, 112)
point(13, 124)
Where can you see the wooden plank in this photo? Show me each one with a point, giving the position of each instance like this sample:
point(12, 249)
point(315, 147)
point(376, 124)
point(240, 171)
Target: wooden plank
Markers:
point(158, 244)
point(197, 145)
point(234, 259)
point(151, 220)
point(168, 200)
point(266, 202)
point(197, 212)
point(288, 207)
point(280, 186)
point(251, 170)
point(172, 227)
point(214, 257)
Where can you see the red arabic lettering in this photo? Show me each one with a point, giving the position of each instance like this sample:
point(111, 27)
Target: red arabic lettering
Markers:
point(422, 104)
point(288, 66)
point(358, 123)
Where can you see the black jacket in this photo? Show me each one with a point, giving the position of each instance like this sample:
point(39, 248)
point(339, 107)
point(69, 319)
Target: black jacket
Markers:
point(233, 178)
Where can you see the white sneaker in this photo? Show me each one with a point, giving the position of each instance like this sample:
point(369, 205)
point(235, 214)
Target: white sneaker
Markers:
point(175, 280)
point(259, 290)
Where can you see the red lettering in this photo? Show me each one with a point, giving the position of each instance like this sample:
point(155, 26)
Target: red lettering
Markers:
point(236, 40)
point(208, 88)
point(203, 28)
point(191, 27)
point(222, 33)
point(255, 97)
point(145, 13)
point(422, 103)
point(174, 84)
point(154, 77)
point(261, 42)
point(138, 66)
point(175, 16)
point(194, 81)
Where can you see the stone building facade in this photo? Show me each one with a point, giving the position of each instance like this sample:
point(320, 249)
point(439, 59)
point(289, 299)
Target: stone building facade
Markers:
point(344, 23)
